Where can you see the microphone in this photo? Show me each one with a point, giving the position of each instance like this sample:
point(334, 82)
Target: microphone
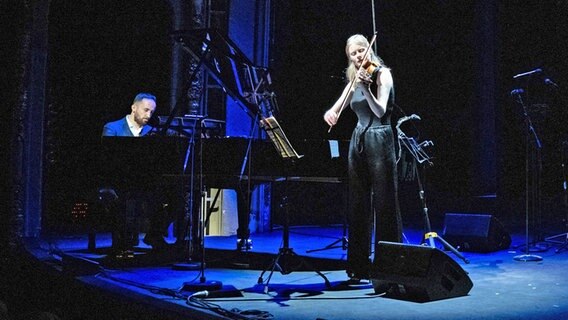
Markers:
point(216, 294)
point(528, 73)
point(200, 294)
point(517, 92)
point(549, 82)
point(414, 117)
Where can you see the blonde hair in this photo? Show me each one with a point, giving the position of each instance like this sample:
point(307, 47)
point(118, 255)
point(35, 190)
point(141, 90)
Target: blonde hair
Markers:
point(359, 39)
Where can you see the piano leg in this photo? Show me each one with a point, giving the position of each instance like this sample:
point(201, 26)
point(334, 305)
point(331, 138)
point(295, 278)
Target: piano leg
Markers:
point(244, 243)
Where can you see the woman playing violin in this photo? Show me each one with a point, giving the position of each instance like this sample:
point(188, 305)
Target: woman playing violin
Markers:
point(372, 161)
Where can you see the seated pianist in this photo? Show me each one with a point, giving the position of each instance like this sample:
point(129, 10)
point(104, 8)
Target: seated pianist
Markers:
point(161, 203)
point(139, 196)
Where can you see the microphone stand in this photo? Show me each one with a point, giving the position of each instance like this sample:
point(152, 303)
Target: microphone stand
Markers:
point(196, 241)
point(188, 227)
point(420, 156)
point(526, 257)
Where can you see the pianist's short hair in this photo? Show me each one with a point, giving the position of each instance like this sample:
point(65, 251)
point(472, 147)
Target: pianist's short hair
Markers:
point(143, 95)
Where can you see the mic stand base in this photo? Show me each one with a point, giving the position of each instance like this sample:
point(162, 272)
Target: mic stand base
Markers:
point(431, 236)
point(527, 258)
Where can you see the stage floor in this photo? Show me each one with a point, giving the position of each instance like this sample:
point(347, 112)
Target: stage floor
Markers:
point(503, 288)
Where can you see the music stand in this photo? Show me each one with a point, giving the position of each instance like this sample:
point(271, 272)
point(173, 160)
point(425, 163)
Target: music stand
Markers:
point(421, 157)
point(287, 152)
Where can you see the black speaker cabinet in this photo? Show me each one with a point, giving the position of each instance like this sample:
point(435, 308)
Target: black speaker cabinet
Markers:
point(475, 232)
point(417, 273)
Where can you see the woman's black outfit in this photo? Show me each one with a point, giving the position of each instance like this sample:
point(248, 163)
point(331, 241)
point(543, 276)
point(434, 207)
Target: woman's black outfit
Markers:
point(372, 181)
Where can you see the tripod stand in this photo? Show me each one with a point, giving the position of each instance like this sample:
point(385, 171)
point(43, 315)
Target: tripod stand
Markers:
point(342, 242)
point(420, 157)
point(339, 243)
point(286, 252)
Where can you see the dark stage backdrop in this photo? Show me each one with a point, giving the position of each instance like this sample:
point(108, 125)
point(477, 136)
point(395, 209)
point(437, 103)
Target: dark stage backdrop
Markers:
point(103, 52)
point(533, 34)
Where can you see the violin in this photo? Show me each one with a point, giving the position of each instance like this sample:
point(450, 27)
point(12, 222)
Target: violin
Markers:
point(370, 66)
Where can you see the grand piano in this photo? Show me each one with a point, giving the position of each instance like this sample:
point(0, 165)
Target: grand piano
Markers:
point(163, 163)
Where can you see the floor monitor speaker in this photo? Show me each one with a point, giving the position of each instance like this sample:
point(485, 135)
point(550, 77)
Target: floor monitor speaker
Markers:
point(417, 273)
point(475, 232)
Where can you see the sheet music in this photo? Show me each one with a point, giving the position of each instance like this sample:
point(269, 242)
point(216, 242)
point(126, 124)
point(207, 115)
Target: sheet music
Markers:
point(334, 148)
point(278, 138)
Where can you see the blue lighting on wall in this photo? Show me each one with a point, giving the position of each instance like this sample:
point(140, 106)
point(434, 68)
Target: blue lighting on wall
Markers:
point(242, 32)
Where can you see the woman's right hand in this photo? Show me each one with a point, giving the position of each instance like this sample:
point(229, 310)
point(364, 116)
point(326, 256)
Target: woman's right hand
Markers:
point(330, 117)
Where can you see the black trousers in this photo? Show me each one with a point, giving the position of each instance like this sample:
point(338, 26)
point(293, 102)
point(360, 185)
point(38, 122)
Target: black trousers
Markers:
point(372, 194)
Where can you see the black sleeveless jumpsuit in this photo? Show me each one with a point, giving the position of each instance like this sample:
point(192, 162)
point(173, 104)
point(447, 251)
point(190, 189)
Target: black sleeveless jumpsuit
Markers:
point(372, 184)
